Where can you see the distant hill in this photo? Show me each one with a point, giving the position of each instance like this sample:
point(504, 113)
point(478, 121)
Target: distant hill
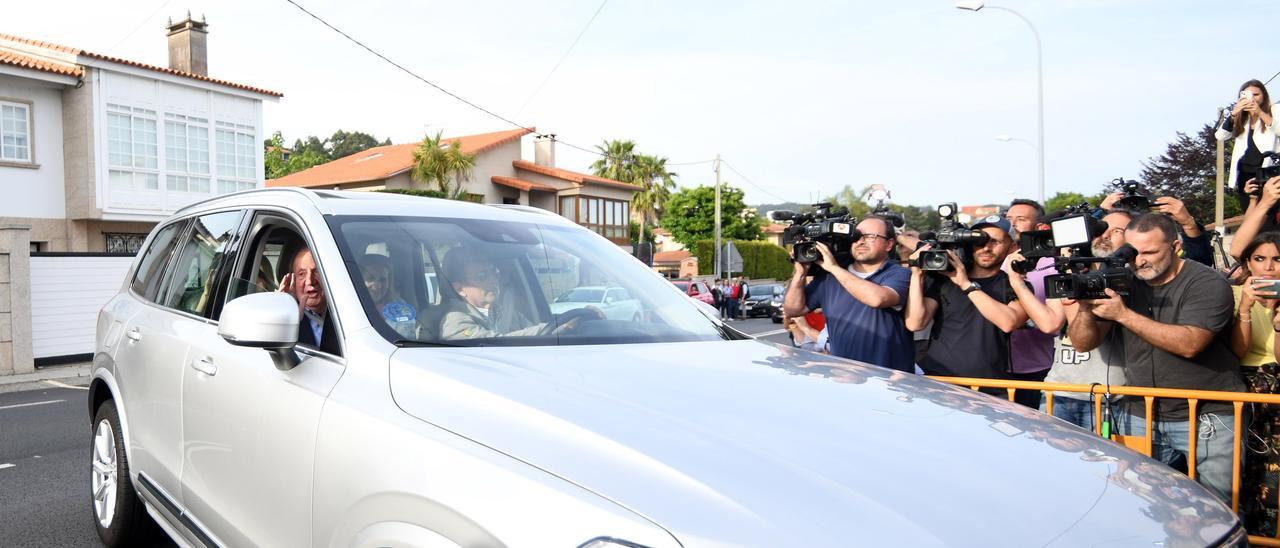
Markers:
point(764, 209)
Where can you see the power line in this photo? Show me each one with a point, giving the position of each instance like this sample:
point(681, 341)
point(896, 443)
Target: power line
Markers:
point(748, 181)
point(562, 58)
point(1273, 77)
point(143, 22)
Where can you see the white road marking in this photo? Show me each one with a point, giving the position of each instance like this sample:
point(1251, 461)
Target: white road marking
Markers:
point(3, 466)
point(3, 407)
point(769, 333)
point(62, 385)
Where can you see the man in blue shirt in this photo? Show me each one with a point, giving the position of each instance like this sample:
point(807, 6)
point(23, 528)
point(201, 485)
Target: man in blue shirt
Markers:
point(863, 303)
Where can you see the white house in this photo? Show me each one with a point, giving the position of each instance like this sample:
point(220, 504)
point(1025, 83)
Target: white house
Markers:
point(94, 151)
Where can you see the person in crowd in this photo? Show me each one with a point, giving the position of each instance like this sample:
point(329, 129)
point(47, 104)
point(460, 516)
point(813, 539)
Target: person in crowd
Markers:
point(804, 335)
point(476, 313)
point(742, 290)
point(304, 283)
point(717, 296)
point(1030, 349)
point(1263, 197)
point(379, 281)
point(1172, 324)
point(1251, 129)
point(1196, 242)
point(1253, 341)
point(733, 291)
point(863, 302)
point(973, 309)
point(1102, 366)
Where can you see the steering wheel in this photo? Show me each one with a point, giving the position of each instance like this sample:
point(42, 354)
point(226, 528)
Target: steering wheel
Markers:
point(580, 314)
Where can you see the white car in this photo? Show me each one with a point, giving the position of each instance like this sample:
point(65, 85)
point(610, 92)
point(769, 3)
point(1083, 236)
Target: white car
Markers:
point(357, 408)
point(615, 302)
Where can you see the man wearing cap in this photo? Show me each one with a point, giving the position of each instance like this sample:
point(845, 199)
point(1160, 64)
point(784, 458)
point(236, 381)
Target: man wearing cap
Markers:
point(973, 309)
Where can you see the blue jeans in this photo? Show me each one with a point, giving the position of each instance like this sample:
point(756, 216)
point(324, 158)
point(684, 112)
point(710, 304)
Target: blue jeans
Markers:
point(1075, 411)
point(1172, 440)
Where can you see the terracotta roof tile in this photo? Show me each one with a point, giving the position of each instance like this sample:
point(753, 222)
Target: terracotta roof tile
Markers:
point(572, 176)
point(382, 162)
point(521, 184)
point(773, 228)
point(670, 256)
point(27, 47)
point(36, 63)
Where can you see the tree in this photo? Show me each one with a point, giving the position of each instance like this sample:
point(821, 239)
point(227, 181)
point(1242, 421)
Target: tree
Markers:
point(618, 161)
point(920, 218)
point(1061, 200)
point(437, 162)
point(656, 184)
point(275, 164)
point(1186, 171)
point(691, 215)
point(345, 144)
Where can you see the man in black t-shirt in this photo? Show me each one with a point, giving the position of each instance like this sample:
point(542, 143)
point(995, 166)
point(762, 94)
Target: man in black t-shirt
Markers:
point(973, 309)
point(1173, 324)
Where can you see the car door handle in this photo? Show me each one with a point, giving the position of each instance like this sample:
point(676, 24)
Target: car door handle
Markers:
point(205, 366)
point(134, 335)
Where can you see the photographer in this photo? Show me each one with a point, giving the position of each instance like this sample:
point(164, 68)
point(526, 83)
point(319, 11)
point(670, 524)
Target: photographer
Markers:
point(1196, 243)
point(862, 302)
point(1172, 325)
point(1251, 127)
point(1030, 349)
point(973, 309)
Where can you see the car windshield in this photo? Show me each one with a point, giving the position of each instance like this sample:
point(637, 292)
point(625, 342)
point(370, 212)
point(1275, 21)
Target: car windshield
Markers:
point(468, 282)
point(765, 290)
point(684, 286)
point(581, 295)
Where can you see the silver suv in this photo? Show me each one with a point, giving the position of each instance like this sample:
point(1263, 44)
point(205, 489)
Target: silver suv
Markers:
point(296, 368)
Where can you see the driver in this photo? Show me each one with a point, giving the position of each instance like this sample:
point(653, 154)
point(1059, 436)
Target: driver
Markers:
point(478, 312)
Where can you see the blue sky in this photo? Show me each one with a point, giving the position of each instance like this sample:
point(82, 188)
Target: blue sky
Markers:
point(800, 97)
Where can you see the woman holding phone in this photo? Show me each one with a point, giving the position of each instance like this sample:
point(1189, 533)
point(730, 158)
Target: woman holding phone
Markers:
point(1250, 126)
point(1253, 341)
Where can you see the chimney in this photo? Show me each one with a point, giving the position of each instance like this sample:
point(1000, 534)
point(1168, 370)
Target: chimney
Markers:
point(188, 49)
point(544, 150)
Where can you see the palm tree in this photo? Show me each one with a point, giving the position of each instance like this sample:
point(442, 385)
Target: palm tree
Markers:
point(656, 184)
point(436, 162)
point(618, 161)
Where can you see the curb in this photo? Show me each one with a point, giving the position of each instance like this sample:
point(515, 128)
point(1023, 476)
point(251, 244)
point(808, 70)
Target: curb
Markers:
point(76, 374)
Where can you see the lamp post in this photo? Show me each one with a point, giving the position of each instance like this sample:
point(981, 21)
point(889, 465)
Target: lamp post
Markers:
point(975, 5)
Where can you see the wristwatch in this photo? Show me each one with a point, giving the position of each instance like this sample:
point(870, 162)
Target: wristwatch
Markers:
point(973, 286)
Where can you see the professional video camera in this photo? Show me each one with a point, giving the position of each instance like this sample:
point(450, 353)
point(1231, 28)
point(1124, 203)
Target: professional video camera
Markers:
point(1270, 168)
point(1082, 276)
point(953, 236)
point(825, 224)
point(880, 195)
point(1038, 244)
point(1134, 199)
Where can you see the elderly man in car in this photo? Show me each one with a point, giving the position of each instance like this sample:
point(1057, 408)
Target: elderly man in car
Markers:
point(479, 312)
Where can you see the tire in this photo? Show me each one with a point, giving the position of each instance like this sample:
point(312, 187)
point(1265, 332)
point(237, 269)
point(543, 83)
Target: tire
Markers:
point(776, 319)
point(118, 513)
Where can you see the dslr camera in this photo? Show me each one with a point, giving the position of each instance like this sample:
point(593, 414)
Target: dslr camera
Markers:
point(824, 223)
point(953, 236)
point(1082, 276)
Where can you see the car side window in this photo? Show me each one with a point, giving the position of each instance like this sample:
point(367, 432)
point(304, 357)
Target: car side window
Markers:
point(191, 281)
point(147, 280)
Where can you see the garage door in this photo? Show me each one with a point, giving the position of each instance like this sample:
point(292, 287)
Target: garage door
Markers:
point(67, 291)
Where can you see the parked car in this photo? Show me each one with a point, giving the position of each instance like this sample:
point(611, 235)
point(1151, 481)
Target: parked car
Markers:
point(760, 301)
point(615, 302)
point(698, 290)
point(528, 428)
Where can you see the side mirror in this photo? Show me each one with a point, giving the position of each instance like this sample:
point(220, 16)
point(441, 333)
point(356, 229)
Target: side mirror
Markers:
point(608, 300)
point(263, 320)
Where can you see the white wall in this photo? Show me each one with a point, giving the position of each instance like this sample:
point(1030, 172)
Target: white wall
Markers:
point(36, 192)
point(66, 295)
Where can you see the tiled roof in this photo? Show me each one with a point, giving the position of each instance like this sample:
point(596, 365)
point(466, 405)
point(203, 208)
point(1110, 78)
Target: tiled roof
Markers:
point(521, 184)
point(39, 55)
point(1229, 222)
point(572, 176)
point(382, 162)
point(670, 256)
point(773, 228)
point(661, 232)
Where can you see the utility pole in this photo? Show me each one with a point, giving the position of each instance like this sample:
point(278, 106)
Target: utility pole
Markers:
point(717, 253)
point(1218, 212)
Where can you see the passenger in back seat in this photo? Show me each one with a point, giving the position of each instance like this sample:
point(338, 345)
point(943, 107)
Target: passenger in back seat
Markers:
point(380, 281)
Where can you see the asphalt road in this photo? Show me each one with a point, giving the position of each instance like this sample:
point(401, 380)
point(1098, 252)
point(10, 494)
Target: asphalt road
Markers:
point(44, 456)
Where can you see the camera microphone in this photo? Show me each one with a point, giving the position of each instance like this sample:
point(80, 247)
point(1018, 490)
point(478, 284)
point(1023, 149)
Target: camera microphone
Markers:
point(781, 215)
point(1126, 252)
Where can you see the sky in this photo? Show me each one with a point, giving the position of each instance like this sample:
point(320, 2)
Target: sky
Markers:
point(799, 98)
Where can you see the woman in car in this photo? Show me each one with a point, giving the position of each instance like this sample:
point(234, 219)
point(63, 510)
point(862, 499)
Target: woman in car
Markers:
point(379, 280)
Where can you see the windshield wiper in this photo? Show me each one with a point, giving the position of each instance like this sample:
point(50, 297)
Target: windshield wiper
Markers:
point(409, 343)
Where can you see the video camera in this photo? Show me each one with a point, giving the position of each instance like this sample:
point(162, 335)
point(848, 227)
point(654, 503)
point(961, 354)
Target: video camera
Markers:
point(1134, 199)
point(1038, 244)
point(1082, 276)
point(825, 224)
point(953, 236)
point(1266, 172)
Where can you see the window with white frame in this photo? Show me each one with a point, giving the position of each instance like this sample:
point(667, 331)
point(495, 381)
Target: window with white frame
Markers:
point(186, 153)
point(15, 132)
point(132, 148)
point(237, 162)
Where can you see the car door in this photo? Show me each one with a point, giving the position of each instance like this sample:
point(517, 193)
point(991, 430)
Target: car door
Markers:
point(148, 361)
point(250, 428)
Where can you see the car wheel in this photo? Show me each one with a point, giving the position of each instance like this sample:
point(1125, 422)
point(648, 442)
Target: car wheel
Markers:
point(118, 513)
point(776, 319)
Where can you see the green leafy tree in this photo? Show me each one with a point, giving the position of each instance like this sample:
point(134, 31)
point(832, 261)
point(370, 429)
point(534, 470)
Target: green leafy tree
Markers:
point(690, 215)
point(276, 165)
point(437, 162)
point(1061, 200)
point(311, 144)
point(343, 143)
point(760, 260)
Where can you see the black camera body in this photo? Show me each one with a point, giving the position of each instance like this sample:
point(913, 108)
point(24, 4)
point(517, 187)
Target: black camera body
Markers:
point(1134, 199)
point(1086, 278)
point(1263, 174)
point(831, 226)
point(953, 236)
point(882, 210)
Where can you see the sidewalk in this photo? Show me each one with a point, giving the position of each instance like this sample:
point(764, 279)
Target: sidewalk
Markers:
point(74, 374)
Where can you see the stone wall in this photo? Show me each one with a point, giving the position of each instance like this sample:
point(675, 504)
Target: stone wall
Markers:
point(15, 300)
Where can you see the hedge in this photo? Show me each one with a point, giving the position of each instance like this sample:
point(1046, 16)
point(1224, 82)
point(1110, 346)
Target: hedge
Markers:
point(760, 259)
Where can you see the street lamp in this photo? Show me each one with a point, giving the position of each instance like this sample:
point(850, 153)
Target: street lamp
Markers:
point(1006, 139)
point(975, 5)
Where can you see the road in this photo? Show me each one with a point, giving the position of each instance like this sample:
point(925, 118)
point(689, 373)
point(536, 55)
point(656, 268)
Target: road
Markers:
point(44, 455)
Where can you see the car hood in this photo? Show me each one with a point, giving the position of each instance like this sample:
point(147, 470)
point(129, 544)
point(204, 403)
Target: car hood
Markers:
point(750, 444)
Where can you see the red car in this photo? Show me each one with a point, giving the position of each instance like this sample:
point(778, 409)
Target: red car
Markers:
point(696, 289)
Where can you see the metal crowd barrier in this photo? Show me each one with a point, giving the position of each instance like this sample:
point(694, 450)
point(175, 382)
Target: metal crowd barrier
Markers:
point(1143, 444)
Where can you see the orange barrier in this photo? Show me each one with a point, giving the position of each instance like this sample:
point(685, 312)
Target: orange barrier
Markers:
point(1149, 395)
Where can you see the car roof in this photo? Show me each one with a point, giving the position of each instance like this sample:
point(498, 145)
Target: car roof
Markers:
point(345, 202)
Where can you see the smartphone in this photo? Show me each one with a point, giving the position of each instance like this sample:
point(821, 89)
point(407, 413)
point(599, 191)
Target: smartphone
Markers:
point(1246, 96)
point(1267, 285)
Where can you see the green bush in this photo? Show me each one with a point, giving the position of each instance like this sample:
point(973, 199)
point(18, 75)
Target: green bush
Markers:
point(759, 259)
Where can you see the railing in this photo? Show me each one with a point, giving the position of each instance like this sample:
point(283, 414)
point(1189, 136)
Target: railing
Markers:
point(1143, 444)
